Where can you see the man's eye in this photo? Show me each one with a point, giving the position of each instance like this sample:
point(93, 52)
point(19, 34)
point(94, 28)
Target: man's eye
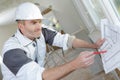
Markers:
point(34, 22)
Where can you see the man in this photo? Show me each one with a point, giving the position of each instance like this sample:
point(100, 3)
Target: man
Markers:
point(23, 54)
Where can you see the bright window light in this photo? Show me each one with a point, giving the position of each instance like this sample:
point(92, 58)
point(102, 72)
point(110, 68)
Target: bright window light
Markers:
point(7, 16)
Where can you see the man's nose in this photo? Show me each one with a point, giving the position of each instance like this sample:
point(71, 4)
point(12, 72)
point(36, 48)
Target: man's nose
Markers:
point(39, 25)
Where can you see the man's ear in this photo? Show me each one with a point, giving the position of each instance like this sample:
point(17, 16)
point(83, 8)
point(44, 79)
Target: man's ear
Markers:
point(21, 26)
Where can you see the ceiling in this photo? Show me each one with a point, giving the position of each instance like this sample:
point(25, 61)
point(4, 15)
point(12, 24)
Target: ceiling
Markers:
point(7, 8)
point(64, 11)
point(7, 4)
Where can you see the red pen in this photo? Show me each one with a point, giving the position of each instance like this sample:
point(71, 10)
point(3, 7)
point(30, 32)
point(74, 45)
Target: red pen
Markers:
point(99, 52)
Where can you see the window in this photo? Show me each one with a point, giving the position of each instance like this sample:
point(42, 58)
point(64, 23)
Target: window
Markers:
point(112, 10)
point(116, 6)
point(94, 10)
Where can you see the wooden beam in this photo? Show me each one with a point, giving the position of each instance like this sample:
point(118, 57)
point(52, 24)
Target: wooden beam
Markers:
point(47, 10)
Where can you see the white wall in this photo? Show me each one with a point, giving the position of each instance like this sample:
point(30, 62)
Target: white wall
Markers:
point(5, 32)
point(66, 13)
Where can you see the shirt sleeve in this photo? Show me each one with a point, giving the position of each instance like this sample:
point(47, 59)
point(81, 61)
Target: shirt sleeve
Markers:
point(31, 71)
point(70, 41)
point(57, 39)
point(22, 66)
point(63, 40)
point(49, 35)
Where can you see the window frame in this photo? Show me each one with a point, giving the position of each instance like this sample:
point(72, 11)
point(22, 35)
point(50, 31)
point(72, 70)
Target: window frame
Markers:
point(110, 12)
point(115, 9)
point(94, 15)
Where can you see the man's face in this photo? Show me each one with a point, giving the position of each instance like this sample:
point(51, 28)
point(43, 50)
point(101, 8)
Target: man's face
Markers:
point(31, 28)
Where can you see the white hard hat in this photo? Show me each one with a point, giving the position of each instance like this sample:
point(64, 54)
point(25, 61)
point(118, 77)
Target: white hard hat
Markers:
point(28, 11)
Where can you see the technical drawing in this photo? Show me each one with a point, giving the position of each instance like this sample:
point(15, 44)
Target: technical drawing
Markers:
point(111, 58)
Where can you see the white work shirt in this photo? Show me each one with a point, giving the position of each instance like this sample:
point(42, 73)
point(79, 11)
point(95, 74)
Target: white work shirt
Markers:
point(20, 62)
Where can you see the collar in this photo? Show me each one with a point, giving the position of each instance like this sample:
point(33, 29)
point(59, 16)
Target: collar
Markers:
point(22, 39)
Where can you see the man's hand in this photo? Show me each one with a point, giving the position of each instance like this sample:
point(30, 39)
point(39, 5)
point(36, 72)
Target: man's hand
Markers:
point(84, 60)
point(99, 43)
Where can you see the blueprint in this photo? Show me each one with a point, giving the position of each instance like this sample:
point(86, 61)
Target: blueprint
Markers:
point(111, 59)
